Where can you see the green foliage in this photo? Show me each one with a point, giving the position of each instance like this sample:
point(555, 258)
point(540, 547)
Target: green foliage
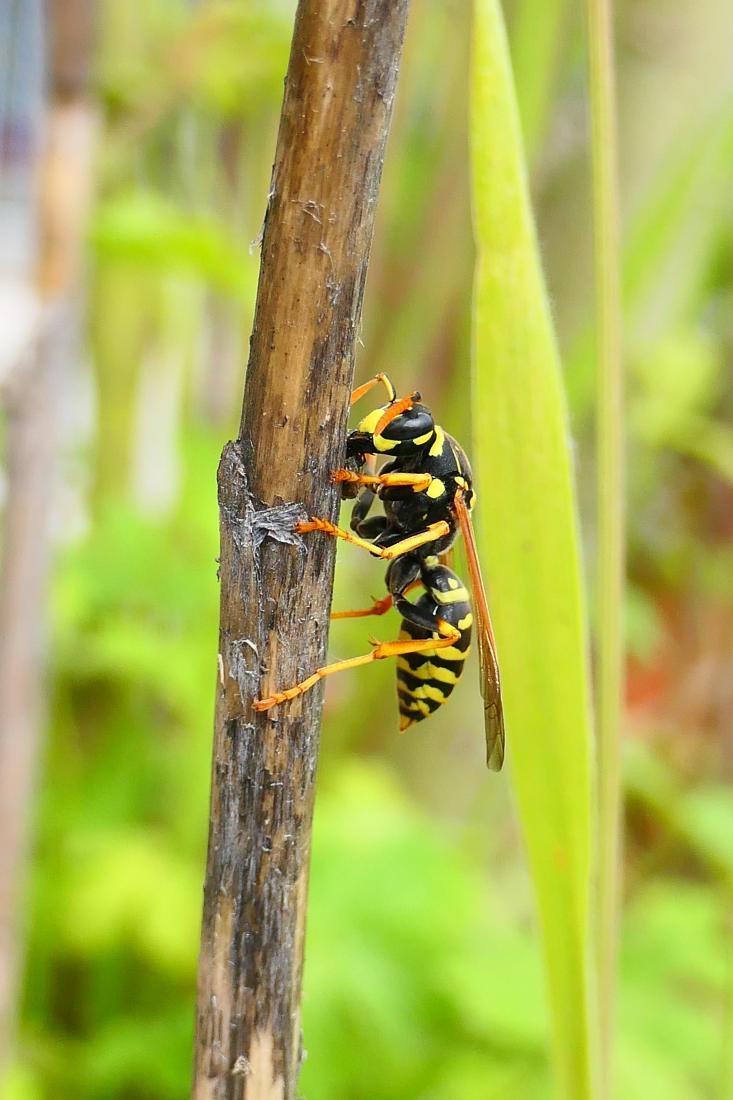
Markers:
point(227, 58)
point(424, 977)
point(535, 45)
point(674, 952)
point(146, 229)
point(121, 837)
point(402, 912)
point(701, 818)
point(412, 962)
point(529, 540)
point(415, 963)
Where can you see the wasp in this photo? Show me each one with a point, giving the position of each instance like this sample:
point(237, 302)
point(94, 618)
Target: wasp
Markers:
point(426, 492)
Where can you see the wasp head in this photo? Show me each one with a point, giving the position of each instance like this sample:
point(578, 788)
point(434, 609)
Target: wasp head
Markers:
point(403, 427)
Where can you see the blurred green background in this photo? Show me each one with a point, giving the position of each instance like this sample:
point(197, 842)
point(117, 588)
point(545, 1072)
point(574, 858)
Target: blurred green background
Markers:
point(423, 978)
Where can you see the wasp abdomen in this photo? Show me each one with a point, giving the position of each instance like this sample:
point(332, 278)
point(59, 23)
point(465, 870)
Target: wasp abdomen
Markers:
point(426, 679)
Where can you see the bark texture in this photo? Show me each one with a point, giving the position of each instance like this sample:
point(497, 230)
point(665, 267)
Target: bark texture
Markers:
point(276, 588)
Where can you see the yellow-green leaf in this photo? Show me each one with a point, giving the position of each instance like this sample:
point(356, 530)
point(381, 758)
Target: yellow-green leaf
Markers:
point(528, 533)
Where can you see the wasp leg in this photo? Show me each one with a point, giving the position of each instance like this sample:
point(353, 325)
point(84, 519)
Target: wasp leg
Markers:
point(362, 506)
point(432, 533)
point(379, 607)
point(371, 528)
point(418, 482)
point(381, 650)
point(361, 391)
point(401, 580)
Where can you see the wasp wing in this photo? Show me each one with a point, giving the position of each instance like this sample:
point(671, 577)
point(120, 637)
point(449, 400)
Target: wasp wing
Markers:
point(489, 665)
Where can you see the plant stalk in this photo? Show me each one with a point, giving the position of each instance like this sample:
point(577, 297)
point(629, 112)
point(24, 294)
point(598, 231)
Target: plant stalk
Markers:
point(610, 503)
point(31, 400)
point(275, 586)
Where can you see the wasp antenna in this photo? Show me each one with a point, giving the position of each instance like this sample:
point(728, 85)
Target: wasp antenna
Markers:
point(378, 379)
point(393, 411)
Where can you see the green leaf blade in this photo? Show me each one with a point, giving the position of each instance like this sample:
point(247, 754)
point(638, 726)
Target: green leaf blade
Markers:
point(528, 535)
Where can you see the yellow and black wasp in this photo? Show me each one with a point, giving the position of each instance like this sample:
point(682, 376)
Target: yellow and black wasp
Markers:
point(427, 496)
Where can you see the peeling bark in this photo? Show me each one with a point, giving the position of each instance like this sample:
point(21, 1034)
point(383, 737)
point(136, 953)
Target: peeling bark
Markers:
point(275, 588)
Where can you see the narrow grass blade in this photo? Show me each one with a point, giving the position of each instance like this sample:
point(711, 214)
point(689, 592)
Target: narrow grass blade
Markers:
point(610, 503)
point(528, 535)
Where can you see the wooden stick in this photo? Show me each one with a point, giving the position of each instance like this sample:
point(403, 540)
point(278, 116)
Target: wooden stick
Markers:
point(276, 589)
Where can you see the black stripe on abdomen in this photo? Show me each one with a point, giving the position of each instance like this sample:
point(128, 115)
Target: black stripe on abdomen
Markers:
point(425, 680)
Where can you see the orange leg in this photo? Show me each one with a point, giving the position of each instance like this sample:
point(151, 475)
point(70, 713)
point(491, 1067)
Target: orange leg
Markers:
point(431, 533)
point(379, 607)
point(381, 650)
point(419, 482)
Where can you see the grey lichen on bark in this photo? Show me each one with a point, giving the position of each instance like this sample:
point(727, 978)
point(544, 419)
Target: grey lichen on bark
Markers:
point(276, 588)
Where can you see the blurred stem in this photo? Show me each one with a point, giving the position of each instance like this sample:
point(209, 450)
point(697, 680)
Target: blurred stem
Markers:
point(31, 454)
point(610, 511)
